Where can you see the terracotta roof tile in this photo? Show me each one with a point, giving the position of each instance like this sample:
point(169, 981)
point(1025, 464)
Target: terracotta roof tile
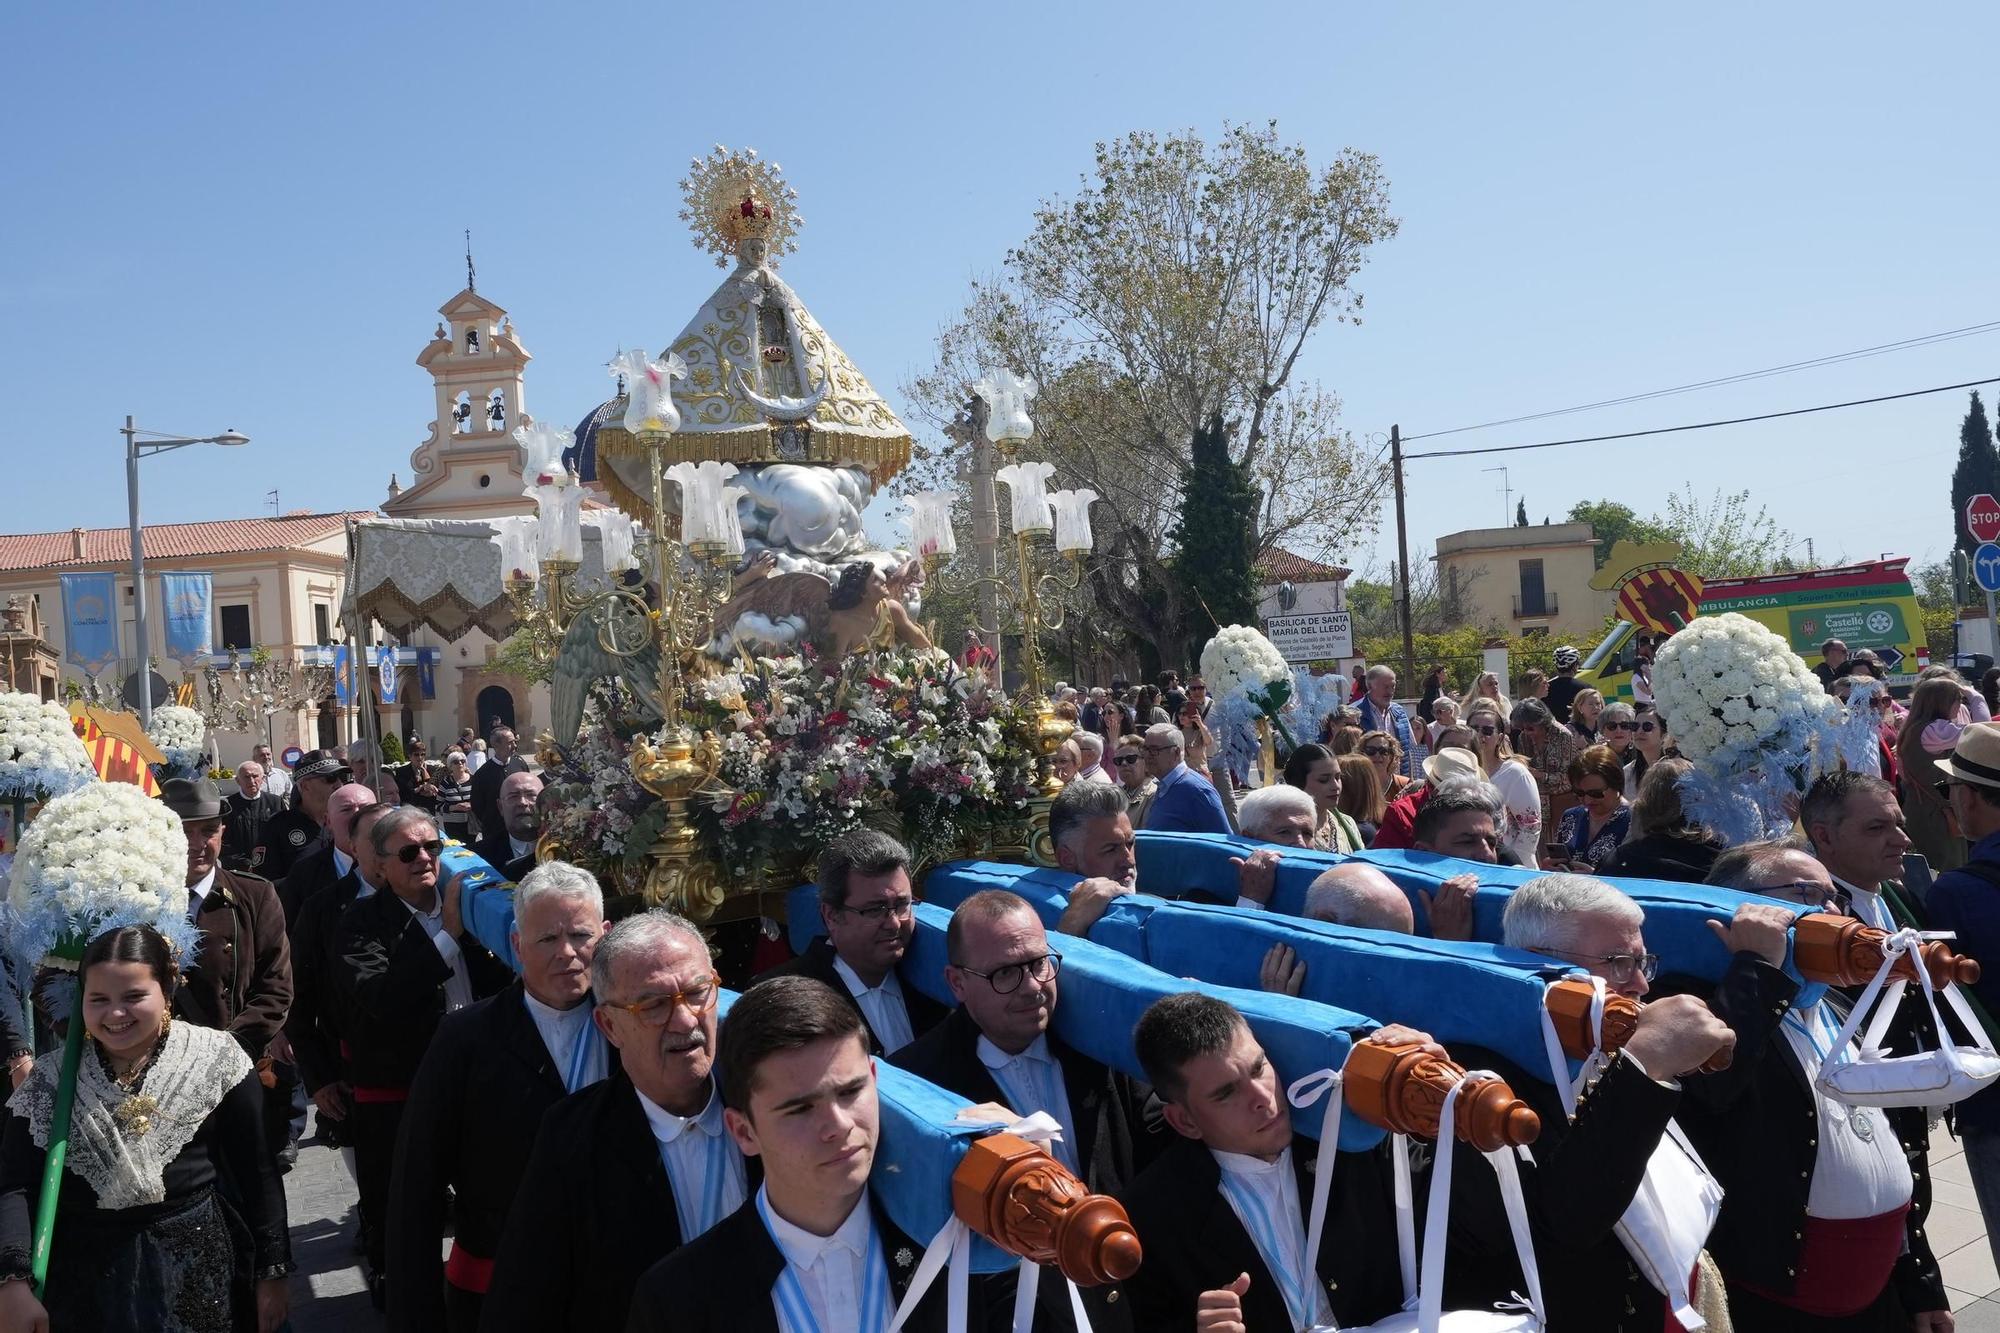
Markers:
point(168, 541)
point(1282, 566)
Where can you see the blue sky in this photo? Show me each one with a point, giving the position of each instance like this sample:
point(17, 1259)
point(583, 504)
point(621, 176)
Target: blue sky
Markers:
point(246, 216)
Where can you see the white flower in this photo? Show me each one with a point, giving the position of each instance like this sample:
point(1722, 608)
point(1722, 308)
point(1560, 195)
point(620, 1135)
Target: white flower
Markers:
point(107, 851)
point(39, 752)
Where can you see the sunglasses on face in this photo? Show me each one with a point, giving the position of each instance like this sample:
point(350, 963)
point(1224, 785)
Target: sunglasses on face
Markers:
point(1621, 726)
point(1592, 793)
point(1649, 726)
point(1126, 760)
point(408, 855)
point(1375, 752)
point(1487, 731)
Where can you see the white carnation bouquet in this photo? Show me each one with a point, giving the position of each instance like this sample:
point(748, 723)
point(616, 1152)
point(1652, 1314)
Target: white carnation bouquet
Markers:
point(40, 755)
point(182, 737)
point(1745, 711)
point(102, 857)
point(1247, 677)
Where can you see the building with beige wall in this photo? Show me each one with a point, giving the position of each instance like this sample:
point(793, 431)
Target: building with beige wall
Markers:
point(1532, 580)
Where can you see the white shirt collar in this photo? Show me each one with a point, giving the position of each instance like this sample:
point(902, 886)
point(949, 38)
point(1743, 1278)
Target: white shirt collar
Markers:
point(802, 1249)
point(519, 848)
point(857, 987)
point(199, 890)
point(342, 863)
point(667, 1126)
point(545, 1013)
point(435, 914)
point(1242, 1164)
point(994, 1058)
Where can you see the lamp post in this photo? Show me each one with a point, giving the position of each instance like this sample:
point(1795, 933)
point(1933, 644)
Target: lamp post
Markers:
point(136, 448)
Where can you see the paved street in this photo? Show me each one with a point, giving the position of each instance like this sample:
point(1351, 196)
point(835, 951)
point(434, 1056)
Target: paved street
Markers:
point(328, 1292)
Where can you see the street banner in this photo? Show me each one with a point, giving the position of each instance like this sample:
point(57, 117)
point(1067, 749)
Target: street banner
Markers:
point(385, 667)
point(90, 626)
point(189, 603)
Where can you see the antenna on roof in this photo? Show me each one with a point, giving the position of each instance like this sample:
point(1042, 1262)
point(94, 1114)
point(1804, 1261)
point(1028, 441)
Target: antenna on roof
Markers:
point(272, 496)
point(471, 279)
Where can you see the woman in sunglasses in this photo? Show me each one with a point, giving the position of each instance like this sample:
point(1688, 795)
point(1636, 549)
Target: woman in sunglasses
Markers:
point(1649, 746)
point(1616, 726)
point(1385, 752)
point(1590, 832)
point(1521, 822)
point(1584, 712)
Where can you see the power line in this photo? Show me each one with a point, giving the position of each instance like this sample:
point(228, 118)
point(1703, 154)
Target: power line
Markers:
point(1698, 425)
point(1928, 339)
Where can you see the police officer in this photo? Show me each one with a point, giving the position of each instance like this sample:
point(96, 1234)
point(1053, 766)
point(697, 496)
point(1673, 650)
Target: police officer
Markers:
point(300, 831)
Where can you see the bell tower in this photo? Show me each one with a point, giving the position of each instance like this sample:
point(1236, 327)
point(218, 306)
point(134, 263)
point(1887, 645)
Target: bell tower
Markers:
point(470, 466)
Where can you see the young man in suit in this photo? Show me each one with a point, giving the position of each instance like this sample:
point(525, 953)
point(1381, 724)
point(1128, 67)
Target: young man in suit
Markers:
point(403, 961)
point(813, 1250)
point(1185, 801)
point(628, 1170)
point(997, 1047)
point(489, 1076)
point(1205, 1266)
point(868, 908)
point(313, 1026)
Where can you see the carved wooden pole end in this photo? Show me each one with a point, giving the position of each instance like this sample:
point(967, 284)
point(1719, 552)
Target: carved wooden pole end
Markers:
point(1842, 951)
point(1029, 1204)
point(1402, 1087)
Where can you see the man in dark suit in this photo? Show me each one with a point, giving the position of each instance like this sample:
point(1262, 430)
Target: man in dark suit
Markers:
point(996, 1047)
point(1799, 1168)
point(799, 1089)
point(489, 1076)
point(867, 906)
point(1185, 801)
point(501, 760)
point(627, 1171)
point(403, 961)
point(312, 1029)
point(510, 849)
point(247, 815)
point(1203, 1267)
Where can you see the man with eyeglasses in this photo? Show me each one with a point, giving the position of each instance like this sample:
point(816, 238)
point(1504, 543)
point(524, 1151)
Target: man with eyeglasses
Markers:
point(1587, 1169)
point(402, 961)
point(631, 1168)
point(1824, 1205)
point(996, 1046)
point(868, 908)
point(491, 1073)
point(1184, 801)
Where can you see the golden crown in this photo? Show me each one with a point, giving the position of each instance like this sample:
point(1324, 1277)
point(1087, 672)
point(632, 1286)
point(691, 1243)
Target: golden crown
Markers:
point(733, 197)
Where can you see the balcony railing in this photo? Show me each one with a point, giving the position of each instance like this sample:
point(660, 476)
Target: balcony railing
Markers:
point(1527, 607)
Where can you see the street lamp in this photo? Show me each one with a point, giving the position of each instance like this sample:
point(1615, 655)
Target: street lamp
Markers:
point(136, 448)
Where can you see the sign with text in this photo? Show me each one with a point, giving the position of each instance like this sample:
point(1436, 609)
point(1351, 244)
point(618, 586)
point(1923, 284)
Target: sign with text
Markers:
point(1319, 637)
point(1982, 517)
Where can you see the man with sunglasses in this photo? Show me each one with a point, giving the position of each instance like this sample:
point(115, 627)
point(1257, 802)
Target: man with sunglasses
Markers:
point(402, 960)
point(996, 1046)
point(868, 908)
point(1185, 801)
point(1824, 1204)
point(632, 1168)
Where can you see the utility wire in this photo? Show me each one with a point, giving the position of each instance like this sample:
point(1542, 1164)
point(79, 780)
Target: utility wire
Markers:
point(1698, 425)
point(1948, 335)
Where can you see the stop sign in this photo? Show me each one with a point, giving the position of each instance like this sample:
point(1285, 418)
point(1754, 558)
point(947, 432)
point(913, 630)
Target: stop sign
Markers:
point(1982, 517)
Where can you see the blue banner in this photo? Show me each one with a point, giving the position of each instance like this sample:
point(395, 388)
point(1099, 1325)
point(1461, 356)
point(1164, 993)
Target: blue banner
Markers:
point(90, 623)
point(343, 676)
point(188, 602)
point(385, 667)
point(427, 681)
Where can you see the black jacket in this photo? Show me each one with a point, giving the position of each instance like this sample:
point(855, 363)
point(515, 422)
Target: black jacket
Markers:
point(721, 1283)
point(1586, 1171)
point(288, 840)
point(389, 985)
point(1662, 856)
point(486, 795)
point(1105, 1108)
point(817, 962)
point(246, 829)
point(1194, 1242)
point(313, 1024)
point(594, 1211)
point(470, 1123)
point(495, 848)
point(310, 875)
point(1763, 1149)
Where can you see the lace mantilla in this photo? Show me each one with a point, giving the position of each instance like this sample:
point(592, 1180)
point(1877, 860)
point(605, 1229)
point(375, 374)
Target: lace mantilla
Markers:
point(193, 1072)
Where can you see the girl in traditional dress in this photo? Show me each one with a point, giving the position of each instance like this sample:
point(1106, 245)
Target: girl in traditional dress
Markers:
point(170, 1216)
point(1316, 770)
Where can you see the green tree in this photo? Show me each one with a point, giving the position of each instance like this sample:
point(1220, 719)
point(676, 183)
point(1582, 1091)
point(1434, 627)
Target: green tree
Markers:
point(1182, 282)
point(1213, 557)
point(1613, 522)
point(1521, 512)
point(1978, 470)
point(1722, 537)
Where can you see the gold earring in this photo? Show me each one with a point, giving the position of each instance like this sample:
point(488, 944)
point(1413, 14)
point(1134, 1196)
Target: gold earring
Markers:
point(166, 1024)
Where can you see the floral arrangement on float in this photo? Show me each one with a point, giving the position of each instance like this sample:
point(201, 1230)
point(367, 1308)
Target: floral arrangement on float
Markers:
point(1756, 723)
point(803, 751)
point(40, 755)
point(1250, 682)
point(182, 736)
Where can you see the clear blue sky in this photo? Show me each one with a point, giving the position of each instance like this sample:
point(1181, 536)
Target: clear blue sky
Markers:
point(245, 216)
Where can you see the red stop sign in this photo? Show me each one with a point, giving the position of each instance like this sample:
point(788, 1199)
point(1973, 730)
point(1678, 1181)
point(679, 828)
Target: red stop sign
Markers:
point(1982, 518)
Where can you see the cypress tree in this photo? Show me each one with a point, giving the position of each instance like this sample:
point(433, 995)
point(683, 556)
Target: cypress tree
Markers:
point(1978, 469)
point(1215, 536)
point(1521, 512)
